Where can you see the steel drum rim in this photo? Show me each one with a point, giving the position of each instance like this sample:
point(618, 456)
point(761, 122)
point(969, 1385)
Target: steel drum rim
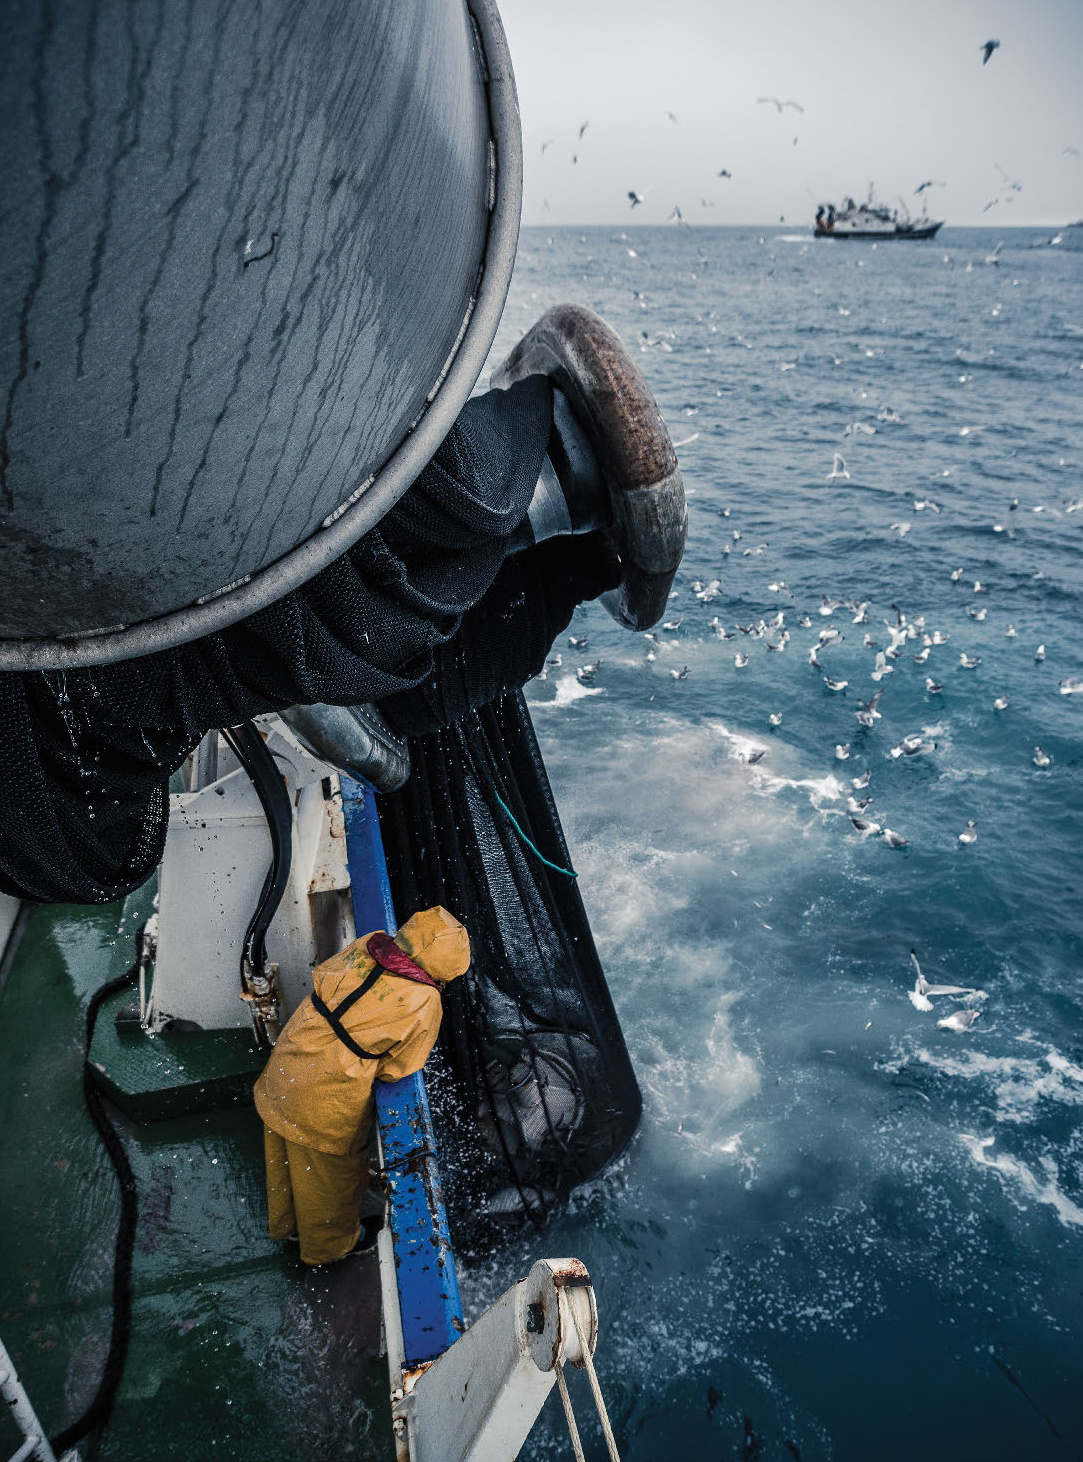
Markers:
point(449, 393)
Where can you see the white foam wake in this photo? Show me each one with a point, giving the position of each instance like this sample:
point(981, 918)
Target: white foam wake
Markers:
point(1041, 1190)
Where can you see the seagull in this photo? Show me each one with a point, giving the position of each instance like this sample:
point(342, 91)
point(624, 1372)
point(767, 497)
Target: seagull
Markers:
point(583, 128)
point(673, 624)
point(1002, 703)
point(969, 834)
point(860, 783)
point(956, 575)
point(636, 198)
point(987, 48)
point(842, 684)
point(676, 216)
point(913, 747)
point(547, 143)
point(1072, 686)
point(961, 1020)
point(842, 751)
point(775, 718)
point(857, 804)
point(740, 660)
point(774, 101)
point(922, 656)
point(679, 674)
point(868, 714)
point(838, 471)
point(579, 642)
point(931, 686)
point(969, 662)
point(922, 989)
point(866, 829)
point(724, 173)
point(882, 668)
point(814, 659)
point(894, 840)
point(932, 183)
point(673, 118)
point(1011, 632)
point(1039, 653)
point(1040, 759)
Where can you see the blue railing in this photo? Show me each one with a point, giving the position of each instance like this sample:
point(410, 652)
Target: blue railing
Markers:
point(429, 1303)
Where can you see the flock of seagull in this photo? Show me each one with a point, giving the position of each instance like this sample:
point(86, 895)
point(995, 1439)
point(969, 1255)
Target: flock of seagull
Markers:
point(902, 634)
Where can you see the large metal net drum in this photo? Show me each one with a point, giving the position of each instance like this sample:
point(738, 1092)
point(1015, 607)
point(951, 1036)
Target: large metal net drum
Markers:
point(254, 258)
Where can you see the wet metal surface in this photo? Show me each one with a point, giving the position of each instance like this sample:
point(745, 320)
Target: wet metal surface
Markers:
point(236, 1350)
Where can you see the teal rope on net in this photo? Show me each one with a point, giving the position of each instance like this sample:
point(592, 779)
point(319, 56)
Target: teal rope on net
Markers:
point(567, 872)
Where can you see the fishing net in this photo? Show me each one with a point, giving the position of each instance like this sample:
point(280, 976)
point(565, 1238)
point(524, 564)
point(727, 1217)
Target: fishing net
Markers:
point(531, 1085)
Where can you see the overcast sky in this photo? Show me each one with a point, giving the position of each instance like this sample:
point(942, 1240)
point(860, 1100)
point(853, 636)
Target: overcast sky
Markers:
point(892, 92)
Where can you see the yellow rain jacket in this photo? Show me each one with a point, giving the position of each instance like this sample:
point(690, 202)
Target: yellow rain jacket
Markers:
point(314, 1090)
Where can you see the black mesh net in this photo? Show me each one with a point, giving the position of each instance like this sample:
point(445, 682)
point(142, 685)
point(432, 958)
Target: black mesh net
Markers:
point(531, 1085)
point(424, 615)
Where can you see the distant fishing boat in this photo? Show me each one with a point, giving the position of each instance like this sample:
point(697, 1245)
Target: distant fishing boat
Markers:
point(870, 220)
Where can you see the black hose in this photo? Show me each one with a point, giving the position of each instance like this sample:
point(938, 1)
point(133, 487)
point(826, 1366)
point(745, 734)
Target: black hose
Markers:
point(250, 749)
point(97, 1413)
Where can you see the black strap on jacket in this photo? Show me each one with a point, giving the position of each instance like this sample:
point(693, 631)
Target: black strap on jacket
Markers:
point(334, 1017)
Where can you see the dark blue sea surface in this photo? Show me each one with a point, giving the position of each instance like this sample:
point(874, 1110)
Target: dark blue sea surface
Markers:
point(844, 1231)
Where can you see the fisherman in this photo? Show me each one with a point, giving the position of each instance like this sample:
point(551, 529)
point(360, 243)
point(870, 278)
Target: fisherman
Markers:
point(373, 1016)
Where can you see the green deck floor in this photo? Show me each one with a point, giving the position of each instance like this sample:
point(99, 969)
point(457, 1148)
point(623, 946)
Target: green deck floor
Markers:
point(236, 1351)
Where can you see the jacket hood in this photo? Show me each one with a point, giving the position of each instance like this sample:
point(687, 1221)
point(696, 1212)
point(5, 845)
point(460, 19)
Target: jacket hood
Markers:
point(436, 941)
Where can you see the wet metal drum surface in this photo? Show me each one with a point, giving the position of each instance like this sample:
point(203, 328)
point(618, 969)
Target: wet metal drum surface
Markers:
point(254, 259)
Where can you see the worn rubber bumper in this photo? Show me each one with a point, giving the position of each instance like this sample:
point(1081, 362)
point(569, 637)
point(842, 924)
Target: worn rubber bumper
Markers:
point(591, 365)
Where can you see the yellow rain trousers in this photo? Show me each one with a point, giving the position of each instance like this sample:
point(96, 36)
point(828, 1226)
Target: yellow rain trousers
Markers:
point(316, 1094)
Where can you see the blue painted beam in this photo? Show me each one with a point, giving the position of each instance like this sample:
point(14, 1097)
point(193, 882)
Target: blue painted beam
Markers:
point(429, 1303)
point(370, 890)
point(432, 1312)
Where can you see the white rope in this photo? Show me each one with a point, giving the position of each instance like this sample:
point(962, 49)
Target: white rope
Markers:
point(562, 1387)
point(603, 1415)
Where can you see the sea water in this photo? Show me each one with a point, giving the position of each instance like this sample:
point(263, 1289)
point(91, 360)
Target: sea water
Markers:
point(843, 1231)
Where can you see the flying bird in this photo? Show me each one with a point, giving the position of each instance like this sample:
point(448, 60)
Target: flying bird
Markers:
point(636, 198)
point(582, 129)
point(547, 143)
point(724, 173)
point(987, 49)
point(774, 101)
point(929, 183)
